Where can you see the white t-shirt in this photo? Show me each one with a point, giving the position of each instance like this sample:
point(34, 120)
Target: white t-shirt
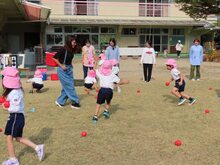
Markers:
point(107, 81)
point(36, 80)
point(115, 69)
point(148, 56)
point(179, 47)
point(90, 80)
point(15, 97)
point(175, 74)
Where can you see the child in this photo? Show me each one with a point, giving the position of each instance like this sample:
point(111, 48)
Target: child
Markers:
point(37, 82)
point(179, 87)
point(107, 80)
point(115, 70)
point(14, 128)
point(90, 81)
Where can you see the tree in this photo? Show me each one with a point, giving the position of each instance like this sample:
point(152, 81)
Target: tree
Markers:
point(199, 9)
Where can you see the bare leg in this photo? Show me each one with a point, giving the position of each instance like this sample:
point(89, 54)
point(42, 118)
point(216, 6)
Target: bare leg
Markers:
point(97, 109)
point(175, 92)
point(11, 151)
point(87, 91)
point(26, 142)
point(107, 106)
point(184, 95)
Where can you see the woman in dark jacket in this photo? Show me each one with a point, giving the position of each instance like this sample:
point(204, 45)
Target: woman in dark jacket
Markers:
point(65, 73)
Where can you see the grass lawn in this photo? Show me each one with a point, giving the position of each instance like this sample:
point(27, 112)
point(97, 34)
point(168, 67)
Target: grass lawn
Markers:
point(142, 128)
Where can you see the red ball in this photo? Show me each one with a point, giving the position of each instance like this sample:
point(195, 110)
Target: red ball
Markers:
point(2, 99)
point(84, 133)
point(138, 91)
point(1, 129)
point(178, 143)
point(210, 88)
point(167, 83)
point(207, 111)
point(6, 104)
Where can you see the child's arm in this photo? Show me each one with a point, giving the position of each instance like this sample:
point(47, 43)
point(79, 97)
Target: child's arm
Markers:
point(181, 79)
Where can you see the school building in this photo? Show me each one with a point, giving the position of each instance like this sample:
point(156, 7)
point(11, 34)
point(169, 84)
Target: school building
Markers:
point(131, 22)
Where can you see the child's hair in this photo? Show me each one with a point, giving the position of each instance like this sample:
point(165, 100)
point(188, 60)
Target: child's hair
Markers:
point(6, 92)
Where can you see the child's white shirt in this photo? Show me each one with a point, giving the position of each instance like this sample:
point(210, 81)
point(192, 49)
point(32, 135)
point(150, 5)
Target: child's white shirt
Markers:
point(15, 97)
point(175, 73)
point(107, 81)
point(36, 80)
point(90, 80)
point(115, 69)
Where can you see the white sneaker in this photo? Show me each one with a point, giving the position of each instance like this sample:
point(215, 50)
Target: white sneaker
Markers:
point(198, 79)
point(59, 105)
point(119, 90)
point(40, 151)
point(193, 79)
point(11, 161)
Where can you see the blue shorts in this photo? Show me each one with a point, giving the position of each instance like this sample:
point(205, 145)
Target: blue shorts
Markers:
point(88, 86)
point(15, 125)
point(180, 87)
point(37, 86)
point(105, 94)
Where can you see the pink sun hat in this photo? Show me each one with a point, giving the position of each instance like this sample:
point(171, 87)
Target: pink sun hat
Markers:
point(11, 78)
point(102, 56)
point(114, 62)
point(106, 68)
point(38, 74)
point(91, 73)
point(171, 62)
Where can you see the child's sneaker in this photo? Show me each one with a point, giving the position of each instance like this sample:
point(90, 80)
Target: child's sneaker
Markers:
point(40, 151)
point(192, 101)
point(106, 114)
point(94, 119)
point(119, 90)
point(181, 101)
point(12, 161)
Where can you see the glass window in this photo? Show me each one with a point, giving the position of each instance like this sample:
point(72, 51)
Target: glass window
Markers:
point(164, 39)
point(156, 31)
point(68, 29)
point(111, 30)
point(164, 31)
point(178, 31)
point(94, 29)
point(156, 40)
point(58, 39)
point(104, 30)
point(128, 31)
point(58, 29)
point(50, 39)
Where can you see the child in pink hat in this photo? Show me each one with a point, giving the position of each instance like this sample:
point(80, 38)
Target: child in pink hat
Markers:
point(13, 93)
point(107, 79)
point(37, 82)
point(90, 81)
point(178, 89)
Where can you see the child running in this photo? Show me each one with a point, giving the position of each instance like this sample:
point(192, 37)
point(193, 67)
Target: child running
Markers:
point(90, 81)
point(13, 93)
point(179, 87)
point(107, 80)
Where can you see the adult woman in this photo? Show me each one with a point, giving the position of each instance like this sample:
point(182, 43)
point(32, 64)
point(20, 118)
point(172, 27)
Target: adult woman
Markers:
point(88, 57)
point(148, 59)
point(65, 73)
point(196, 58)
point(112, 51)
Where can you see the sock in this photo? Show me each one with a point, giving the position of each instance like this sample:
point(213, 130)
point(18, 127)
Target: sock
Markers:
point(106, 110)
point(36, 148)
point(13, 158)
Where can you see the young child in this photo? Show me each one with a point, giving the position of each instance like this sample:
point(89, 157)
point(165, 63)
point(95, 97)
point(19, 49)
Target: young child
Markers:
point(14, 128)
point(90, 81)
point(37, 82)
point(179, 87)
point(107, 80)
point(115, 70)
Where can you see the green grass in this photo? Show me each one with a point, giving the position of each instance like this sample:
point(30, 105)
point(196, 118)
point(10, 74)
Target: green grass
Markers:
point(142, 127)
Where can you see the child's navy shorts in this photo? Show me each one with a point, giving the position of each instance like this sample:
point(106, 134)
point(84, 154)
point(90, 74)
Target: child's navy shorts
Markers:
point(15, 125)
point(37, 86)
point(88, 86)
point(105, 94)
point(180, 87)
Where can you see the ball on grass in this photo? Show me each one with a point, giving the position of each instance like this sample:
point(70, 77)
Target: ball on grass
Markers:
point(167, 83)
point(178, 142)
point(83, 134)
point(207, 111)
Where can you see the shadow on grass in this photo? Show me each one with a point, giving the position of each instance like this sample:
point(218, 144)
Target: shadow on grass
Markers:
point(170, 98)
point(41, 138)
